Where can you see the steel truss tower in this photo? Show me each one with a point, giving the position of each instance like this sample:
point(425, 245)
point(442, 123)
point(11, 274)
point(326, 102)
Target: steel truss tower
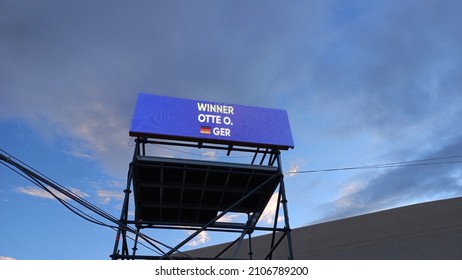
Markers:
point(193, 195)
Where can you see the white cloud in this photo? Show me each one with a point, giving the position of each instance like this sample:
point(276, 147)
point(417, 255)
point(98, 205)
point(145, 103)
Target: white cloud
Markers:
point(6, 258)
point(270, 210)
point(233, 218)
point(293, 170)
point(346, 198)
point(107, 196)
point(200, 239)
point(210, 154)
point(36, 192)
point(108, 183)
point(78, 151)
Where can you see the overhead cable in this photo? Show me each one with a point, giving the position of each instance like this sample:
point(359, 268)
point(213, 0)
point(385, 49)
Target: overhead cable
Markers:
point(411, 163)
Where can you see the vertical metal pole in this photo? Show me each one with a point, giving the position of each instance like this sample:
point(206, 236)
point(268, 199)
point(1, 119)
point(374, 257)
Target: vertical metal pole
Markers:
point(144, 145)
point(124, 212)
point(275, 224)
point(284, 207)
point(263, 156)
point(135, 244)
point(250, 246)
point(255, 155)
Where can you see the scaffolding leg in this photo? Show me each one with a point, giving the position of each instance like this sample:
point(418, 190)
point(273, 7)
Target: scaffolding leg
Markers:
point(285, 210)
point(135, 244)
point(238, 246)
point(250, 246)
point(124, 212)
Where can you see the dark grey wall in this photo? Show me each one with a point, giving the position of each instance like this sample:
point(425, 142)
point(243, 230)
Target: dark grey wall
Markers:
point(430, 230)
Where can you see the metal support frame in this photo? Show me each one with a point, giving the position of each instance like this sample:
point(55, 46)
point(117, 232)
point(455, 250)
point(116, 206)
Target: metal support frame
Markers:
point(270, 156)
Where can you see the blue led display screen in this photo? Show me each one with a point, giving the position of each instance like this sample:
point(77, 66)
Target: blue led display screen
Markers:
point(193, 120)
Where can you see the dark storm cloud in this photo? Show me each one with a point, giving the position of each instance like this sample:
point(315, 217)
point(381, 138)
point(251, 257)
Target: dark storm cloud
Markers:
point(389, 63)
point(396, 74)
point(207, 49)
point(74, 68)
point(391, 69)
point(394, 64)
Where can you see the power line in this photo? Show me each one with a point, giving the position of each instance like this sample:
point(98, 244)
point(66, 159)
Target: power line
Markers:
point(26, 172)
point(412, 163)
point(47, 184)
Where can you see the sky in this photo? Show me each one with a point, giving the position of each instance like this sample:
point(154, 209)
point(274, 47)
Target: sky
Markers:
point(363, 82)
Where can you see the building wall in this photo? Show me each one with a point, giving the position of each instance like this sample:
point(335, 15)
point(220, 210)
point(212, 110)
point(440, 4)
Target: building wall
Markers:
point(430, 230)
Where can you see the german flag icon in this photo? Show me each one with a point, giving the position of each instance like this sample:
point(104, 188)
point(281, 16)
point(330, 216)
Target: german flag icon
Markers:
point(205, 130)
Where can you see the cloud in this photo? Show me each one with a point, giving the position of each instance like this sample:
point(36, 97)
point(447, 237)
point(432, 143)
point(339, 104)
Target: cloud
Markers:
point(233, 218)
point(295, 167)
point(374, 60)
point(401, 186)
point(36, 192)
point(6, 258)
point(389, 76)
point(107, 196)
point(202, 238)
point(391, 71)
point(212, 155)
point(77, 78)
point(269, 213)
